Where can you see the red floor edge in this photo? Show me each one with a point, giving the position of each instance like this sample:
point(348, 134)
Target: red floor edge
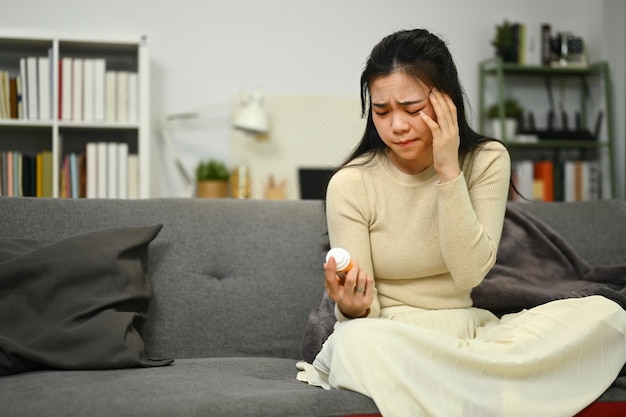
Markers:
point(603, 409)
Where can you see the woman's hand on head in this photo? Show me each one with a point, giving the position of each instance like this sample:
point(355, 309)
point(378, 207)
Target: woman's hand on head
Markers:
point(354, 293)
point(445, 133)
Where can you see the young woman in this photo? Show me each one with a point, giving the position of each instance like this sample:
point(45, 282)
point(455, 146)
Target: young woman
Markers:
point(420, 207)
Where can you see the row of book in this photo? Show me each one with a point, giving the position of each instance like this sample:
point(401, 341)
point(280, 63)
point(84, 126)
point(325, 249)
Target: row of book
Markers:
point(110, 171)
point(103, 170)
point(10, 96)
point(90, 92)
point(87, 91)
point(23, 174)
point(547, 180)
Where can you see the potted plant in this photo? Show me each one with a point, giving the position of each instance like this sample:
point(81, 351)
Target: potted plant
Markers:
point(212, 179)
point(512, 113)
point(505, 43)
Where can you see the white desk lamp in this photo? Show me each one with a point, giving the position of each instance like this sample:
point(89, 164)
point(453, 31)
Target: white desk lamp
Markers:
point(250, 117)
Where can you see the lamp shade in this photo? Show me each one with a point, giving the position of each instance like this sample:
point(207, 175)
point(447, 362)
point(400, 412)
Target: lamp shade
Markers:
point(252, 117)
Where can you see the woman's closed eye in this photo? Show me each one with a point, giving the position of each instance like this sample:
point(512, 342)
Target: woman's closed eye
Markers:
point(412, 112)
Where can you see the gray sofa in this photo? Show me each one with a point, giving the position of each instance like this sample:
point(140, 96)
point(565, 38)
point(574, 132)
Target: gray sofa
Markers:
point(233, 284)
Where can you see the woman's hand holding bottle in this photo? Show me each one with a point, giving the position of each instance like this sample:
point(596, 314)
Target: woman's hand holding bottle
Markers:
point(348, 285)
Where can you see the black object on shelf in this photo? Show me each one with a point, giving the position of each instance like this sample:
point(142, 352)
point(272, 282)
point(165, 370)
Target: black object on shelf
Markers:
point(554, 134)
point(564, 133)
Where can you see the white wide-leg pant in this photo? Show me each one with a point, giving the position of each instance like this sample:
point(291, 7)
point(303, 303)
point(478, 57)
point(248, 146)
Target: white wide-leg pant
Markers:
point(552, 360)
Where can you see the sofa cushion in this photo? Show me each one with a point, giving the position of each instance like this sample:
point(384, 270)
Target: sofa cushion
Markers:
point(75, 303)
point(216, 387)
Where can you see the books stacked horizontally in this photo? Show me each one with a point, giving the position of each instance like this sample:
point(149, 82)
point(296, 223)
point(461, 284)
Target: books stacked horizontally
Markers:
point(26, 175)
point(27, 94)
point(90, 92)
point(569, 180)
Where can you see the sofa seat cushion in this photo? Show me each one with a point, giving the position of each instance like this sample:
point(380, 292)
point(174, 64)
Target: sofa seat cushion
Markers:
point(190, 387)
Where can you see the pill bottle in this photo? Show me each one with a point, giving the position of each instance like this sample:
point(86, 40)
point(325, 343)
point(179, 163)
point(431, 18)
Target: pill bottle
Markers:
point(343, 260)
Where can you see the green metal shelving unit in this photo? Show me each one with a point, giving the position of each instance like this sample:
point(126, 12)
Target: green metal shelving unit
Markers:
point(495, 67)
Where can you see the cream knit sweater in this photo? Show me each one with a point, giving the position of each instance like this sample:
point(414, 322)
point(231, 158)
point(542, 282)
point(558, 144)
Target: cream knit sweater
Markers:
point(427, 244)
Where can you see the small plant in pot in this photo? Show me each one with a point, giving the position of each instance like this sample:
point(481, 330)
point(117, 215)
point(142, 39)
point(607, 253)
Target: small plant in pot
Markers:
point(212, 179)
point(504, 42)
point(513, 112)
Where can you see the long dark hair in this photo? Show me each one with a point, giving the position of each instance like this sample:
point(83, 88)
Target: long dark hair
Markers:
point(423, 56)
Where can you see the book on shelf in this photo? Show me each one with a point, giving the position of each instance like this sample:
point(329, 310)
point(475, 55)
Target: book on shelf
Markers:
point(60, 89)
point(72, 176)
point(46, 173)
point(24, 78)
point(28, 175)
point(99, 89)
point(31, 81)
point(133, 176)
point(544, 181)
point(101, 170)
point(4, 111)
point(4, 180)
point(43, 88)
point(13, 97)
point(122, 170)
point(77, 89)
point(91, 161)
point(6, 86)
point(122, 96)
point(63, 178)
point(65, 88)
point(89, 89)
point(17, 177)
point(110, 99)
point(567, 180)
point(9, 174)
point(112, 170)
point(133, 97)
point(20, 96)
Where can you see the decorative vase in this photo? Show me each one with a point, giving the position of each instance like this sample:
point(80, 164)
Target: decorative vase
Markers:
point(510, 129)
point(212, 189)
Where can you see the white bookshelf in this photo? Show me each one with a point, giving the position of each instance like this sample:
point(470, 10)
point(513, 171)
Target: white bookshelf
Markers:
point(121, 53)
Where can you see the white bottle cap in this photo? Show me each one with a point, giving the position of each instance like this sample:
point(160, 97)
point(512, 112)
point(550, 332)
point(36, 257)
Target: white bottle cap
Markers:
point(342, 257)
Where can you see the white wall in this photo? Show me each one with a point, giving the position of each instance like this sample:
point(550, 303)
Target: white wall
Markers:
point(206, 51)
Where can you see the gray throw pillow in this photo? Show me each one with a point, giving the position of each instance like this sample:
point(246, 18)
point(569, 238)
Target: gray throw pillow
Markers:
point(75, 303)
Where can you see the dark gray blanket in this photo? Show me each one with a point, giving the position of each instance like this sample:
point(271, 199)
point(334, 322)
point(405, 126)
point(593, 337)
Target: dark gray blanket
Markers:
point(535, 265)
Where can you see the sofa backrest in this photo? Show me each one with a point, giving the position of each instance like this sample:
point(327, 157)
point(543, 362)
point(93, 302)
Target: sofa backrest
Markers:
point(230, 277)
point(239, 277)
point(596, 229)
